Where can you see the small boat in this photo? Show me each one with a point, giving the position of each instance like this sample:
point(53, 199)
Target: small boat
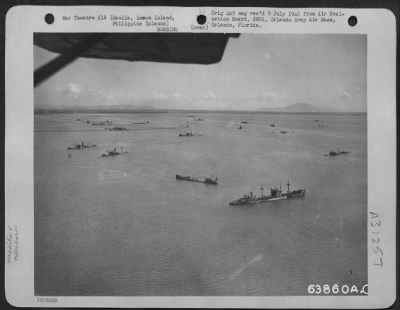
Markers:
point(284, 132)
point(272, 125)
point(240, 127)
point(275, 194)
point(244, 122)
point(210, 181)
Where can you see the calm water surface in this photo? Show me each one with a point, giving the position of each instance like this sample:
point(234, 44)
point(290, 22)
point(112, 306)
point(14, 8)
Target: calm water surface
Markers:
point(124, 226)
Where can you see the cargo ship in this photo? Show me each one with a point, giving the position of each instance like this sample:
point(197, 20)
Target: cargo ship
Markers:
point(141, 123)
point(275, 194)
point(116, 128)
point(81, 146)
point(188, 134)
point(102, 123)
point(194, 179)
point(113, 152)
point(333, 153)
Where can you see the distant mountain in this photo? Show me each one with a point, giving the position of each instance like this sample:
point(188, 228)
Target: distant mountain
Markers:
point(299, 107)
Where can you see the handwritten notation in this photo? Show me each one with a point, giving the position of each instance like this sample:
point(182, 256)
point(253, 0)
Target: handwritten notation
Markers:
point(12, 244)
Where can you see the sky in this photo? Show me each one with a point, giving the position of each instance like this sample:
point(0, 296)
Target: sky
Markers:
point(257, 71)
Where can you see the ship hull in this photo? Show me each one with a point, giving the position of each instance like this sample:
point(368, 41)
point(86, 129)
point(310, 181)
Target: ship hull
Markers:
point(191, 179)
point(296, 194)
point(291, 195)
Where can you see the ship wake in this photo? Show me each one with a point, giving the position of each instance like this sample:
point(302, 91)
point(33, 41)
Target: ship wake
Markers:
point(237, 272)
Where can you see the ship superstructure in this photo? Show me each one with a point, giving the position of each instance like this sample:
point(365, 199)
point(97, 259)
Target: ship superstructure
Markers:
point(275, 194)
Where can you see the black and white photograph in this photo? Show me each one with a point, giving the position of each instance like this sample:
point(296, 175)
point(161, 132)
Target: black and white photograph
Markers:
point(200, 157)
point(200, 164)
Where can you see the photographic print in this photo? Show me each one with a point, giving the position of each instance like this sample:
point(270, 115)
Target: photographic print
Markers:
point(200, 164)
point(200, 157)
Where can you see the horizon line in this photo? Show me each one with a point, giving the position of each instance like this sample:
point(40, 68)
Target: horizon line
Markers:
point(42, 110)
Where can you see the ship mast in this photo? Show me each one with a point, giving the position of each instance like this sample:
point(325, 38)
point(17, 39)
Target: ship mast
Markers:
point(288, 186)
point(262, 191)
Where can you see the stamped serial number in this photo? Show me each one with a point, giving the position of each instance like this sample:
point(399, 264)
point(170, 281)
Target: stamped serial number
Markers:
point(326, 289)
point(47, 299)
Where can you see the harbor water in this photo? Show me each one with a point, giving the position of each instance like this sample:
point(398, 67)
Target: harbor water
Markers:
point(124, 226)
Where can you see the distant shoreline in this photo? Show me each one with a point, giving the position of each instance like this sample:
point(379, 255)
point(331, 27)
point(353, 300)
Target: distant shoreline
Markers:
point(88, 111)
